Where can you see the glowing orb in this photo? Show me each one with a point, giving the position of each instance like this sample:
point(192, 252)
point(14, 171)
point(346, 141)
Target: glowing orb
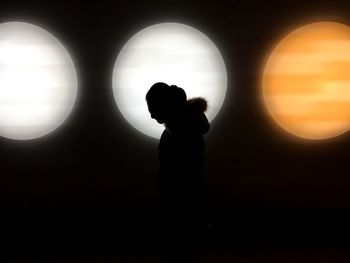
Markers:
point(172, 53)
point(306, 81)
point(38, 83)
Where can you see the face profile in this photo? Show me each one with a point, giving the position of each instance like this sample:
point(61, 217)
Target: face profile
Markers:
point(156, 113)
point(158, 102)
point(165, 103)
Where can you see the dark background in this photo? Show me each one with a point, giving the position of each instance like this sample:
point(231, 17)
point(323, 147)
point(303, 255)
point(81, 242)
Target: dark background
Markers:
point(96, 165)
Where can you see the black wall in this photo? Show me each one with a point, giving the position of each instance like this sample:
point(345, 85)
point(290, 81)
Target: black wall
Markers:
point(96, 159)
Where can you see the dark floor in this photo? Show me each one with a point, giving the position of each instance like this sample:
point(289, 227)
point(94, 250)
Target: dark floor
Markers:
point(268, 255)
point(239, 235)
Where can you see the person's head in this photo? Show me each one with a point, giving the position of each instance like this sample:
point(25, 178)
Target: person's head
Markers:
point(165, 101)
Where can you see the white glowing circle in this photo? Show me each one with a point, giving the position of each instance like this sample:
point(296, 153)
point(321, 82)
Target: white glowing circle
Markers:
point(38, 83)
point(173, 53)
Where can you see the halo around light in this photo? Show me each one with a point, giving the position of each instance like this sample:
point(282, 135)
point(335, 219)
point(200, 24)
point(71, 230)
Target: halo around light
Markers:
point(306, 81)
point(173, 53)
point(38, 82)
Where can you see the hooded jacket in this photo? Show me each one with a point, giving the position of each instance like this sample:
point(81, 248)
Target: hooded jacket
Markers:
point(181, 147)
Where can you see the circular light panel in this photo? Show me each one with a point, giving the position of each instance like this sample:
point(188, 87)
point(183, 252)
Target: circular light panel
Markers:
point(173, 53)
point(38, 83)
point(306, 81)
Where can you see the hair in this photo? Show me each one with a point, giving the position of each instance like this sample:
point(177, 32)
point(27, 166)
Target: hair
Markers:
point(171, 97)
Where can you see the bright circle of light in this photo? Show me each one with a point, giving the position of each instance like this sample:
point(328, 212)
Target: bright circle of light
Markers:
point(306, 81)
point(173, 53)
point(38, 82)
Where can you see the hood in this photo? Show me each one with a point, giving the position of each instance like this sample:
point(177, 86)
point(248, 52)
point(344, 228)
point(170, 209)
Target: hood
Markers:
point(192, 121)
point(198, 122)
point(197, 105)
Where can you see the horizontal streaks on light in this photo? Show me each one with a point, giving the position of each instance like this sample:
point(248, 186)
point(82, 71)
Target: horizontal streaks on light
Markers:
point(173, 53)
point(306, 81)
point(38, 82)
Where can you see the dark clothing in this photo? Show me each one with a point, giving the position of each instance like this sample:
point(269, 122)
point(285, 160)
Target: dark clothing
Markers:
point(181, 157)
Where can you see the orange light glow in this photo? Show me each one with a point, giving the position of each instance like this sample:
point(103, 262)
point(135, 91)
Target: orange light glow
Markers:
point(306, 81)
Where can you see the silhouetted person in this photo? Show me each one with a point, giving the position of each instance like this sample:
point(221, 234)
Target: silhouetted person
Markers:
point(181, 157)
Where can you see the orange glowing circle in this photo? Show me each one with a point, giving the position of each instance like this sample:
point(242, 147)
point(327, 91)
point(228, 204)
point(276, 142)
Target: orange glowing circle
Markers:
point(306, 81)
